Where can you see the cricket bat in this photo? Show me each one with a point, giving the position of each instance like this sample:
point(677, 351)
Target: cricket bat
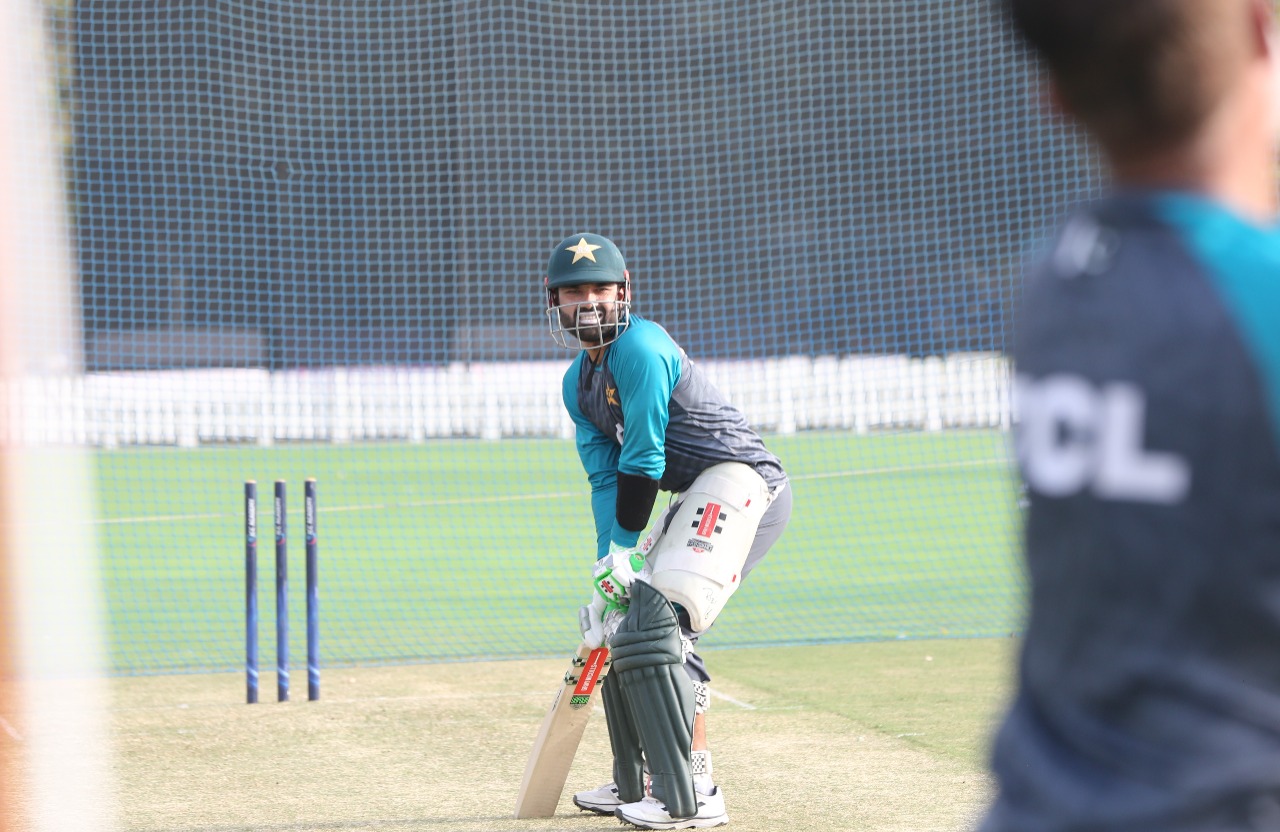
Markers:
point(548, 767)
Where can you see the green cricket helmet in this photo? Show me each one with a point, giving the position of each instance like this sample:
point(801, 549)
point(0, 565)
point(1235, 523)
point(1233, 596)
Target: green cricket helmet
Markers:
point(587, 258)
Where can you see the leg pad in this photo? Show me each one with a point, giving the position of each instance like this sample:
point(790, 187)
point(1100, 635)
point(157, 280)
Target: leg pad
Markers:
point(624, 738)
point(647, 665)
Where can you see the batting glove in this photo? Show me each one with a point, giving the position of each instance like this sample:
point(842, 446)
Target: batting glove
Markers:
point(611, 581)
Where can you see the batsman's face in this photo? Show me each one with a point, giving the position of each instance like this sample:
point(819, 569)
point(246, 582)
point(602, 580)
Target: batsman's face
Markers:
point(590, 311)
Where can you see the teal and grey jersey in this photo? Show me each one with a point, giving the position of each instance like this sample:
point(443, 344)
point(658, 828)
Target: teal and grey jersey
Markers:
point(646, 409)
point(1148, 360)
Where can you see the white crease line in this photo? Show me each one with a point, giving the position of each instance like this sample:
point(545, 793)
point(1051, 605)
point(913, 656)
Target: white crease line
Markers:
point(559, 495)
point(908, 469)
point(9, 729)
point(743, 705)
point(515, 498)
point(159, 518)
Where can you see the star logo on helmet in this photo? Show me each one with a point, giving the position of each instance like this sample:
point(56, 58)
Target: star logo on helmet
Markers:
point(583, 249)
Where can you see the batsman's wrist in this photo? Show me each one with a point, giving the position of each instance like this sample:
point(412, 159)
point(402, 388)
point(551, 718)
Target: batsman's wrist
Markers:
point(632, 555)
point(624, 538)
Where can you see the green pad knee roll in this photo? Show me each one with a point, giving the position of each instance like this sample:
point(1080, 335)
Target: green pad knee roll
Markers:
point(624, 738)
point(648, 667)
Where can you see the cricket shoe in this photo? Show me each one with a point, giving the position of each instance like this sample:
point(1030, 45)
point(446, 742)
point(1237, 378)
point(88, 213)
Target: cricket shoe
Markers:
point(650, 813)
point(602, 801)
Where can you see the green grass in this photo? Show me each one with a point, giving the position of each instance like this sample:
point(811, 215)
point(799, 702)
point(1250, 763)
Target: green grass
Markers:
point(463, 550)
point(938, 696)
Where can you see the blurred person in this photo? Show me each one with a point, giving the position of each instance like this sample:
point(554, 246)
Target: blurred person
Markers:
point(1147, 353)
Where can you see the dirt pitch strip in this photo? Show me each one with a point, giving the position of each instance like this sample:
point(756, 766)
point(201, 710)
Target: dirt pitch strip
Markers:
point(873, 737)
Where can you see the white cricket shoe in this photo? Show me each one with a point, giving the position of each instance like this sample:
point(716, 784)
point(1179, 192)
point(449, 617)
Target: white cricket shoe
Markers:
point(649, 813)
point(602, 801)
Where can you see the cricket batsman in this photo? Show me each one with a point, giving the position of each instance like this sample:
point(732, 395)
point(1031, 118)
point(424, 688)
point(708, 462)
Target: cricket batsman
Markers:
point(649, 420)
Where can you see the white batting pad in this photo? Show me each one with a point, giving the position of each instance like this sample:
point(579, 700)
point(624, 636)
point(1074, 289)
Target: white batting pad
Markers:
point(698, 562)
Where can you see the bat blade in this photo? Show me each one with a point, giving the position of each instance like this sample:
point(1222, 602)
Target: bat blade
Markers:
point(557, 741)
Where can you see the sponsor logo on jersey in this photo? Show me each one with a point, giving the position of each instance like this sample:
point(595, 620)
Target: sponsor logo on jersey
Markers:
point(1074, 435)
point(611, 396)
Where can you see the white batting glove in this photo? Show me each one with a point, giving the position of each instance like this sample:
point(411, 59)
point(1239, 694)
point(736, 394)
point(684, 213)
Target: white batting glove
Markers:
point(614, 573)
point(597, 622)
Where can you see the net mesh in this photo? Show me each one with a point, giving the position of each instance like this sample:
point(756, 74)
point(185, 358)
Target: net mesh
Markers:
point(310, 240)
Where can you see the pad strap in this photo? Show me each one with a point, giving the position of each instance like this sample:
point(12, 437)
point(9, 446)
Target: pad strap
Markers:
point(700, 763)
point(701, 698)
